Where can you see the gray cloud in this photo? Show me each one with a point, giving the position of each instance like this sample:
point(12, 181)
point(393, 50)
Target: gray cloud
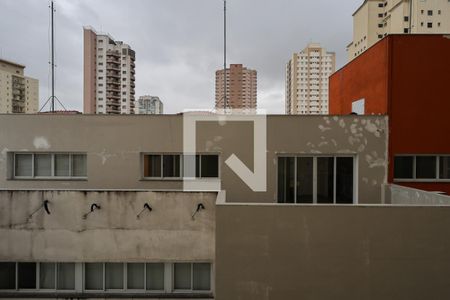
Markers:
point(178, 43)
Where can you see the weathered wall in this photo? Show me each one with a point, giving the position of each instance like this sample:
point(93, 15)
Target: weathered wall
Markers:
point(113, 233)
point(321, 252)
point(114, 145)
point(405, 76)
point(365, 77)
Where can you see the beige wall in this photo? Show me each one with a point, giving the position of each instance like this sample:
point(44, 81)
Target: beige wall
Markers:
point(306, 252)
point(114, 145)
point(111, 234)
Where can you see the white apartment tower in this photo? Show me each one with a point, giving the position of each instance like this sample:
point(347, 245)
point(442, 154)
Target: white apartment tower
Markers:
point(307, 81)
point(109, 75)
point(18, 93)
point(150, 105)
point(375, 19)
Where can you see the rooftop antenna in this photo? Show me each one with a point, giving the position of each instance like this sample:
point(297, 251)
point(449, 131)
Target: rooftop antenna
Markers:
point(52, 97)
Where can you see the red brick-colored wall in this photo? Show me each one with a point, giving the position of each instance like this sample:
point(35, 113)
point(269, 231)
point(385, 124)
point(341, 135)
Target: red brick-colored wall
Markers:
point(407, 77)
point(419, 110)
point(365, 77)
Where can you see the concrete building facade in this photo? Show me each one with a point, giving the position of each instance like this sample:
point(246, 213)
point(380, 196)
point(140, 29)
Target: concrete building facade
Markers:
point(104, 214)
point(404, 76)
point(150, 105)
point(307, 75)
point(241, 89)
point(375, 19)
point(109, 75)
point(18, 93)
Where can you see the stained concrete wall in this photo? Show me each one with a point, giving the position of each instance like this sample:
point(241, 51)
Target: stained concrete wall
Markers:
point(114, 145)
point(321, 252)
point(111, 234)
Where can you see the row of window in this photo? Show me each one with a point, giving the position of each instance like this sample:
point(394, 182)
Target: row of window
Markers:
point(74, 165)
point(320, 179)
point(98, 277)
point(45, 165)
point(422, 167)
point(160, 166)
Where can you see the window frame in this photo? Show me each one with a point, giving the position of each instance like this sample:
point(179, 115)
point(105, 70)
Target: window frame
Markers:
point(191, 290)
point(315, 157)
point(182, 157)
point(414, 177)
point(53, 175)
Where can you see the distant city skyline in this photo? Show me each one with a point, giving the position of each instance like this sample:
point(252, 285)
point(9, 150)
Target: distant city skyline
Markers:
point(185, 53)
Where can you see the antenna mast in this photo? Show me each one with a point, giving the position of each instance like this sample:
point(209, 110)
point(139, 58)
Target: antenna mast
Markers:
point(52, 63)
point(52, 109)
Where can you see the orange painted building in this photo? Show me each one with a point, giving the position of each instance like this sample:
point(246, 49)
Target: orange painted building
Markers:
point(406, 77)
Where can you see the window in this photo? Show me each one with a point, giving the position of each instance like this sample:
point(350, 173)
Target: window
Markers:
point(316, 179)
point(93, 276)
point(406, 18)
point(49, 165)
point(192, 276)
point(27, 275)
point(421, 167)
point(7, 276)
point(429, 25)
point(155, 276)
point(430, 12)
point(170, 166)
point(405, 30)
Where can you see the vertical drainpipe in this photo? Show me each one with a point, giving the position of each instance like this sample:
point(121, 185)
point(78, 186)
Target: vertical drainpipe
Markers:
point(410, 16)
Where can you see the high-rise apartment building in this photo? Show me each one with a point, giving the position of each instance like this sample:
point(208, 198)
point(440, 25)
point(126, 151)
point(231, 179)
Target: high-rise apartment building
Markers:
point(375, 19)
point(241, 91)
point(150, 105)
point(109, 76)
point(307, 80)
point(18, 93)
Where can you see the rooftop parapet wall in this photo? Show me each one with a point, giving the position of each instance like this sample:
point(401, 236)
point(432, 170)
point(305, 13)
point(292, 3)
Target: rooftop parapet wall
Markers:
point(112, 233)
point(292, 252)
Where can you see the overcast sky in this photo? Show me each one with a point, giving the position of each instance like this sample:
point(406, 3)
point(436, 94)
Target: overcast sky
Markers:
point(178, 43)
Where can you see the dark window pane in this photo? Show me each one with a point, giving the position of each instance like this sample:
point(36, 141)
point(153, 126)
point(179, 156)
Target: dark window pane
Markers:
point(79, 168)
point(62, 165)
point(426, 167)
point(202, 276)
point(304, 180)
point(171, 166)
point(152, 165)
point(93, 276)
point(47, 275)
point(42, 164)
point(182, 276)
point(7, 275)
point(23, 165)
point(27, 275)
point(66, 276)
point(444, 167)
point(155, 276)
point(325, 186)
point(210, 166)
point(286, 179)
point(403, 167)
point(344, 180)
point(135, 276)
point(114, 275)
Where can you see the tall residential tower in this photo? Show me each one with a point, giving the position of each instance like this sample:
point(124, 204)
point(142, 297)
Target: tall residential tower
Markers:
point(149, 105)
point(241, 89)
point(108, 74)
point(375, 19)
point(307, 75)
point(18, 93)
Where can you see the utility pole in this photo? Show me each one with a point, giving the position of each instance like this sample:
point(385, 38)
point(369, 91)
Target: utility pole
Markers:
point(224, 54)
